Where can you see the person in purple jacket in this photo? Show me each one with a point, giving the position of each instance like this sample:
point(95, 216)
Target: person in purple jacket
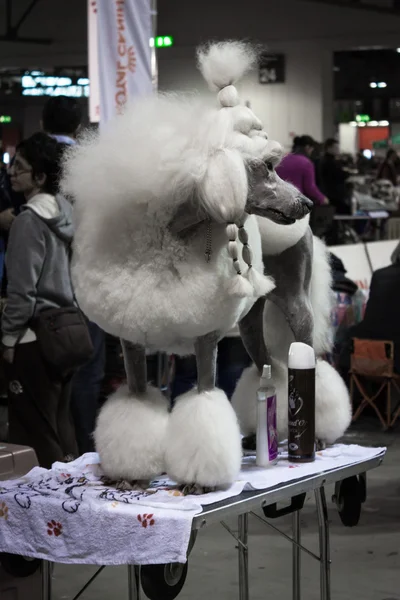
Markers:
point(298, 169)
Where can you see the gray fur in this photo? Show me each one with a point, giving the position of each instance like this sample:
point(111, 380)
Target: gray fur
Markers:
point(273, 198)
point(251, 332)
point(206, 358)
point(292, 273)
point(135, 366)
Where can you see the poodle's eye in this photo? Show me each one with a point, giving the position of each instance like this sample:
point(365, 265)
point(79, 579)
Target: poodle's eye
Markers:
point(270, 166)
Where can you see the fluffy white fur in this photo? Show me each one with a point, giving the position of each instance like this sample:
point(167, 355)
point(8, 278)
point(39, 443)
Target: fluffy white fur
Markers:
point(204, 444)
point(222, 64)
point(130, 435)
point(134, 277)
point(333, 406)
point(276, 238)
point(322, 298)
point(332, 403)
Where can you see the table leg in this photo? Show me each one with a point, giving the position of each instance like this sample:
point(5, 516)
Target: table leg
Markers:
point(296, 555)
point(323, 526)
point(133, 582)
point(243, 524)
point(46, 580)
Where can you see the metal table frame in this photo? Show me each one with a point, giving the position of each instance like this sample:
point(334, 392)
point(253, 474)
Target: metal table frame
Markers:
point(243, 505)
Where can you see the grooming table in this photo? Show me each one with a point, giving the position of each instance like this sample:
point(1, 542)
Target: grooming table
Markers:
point(164, 581)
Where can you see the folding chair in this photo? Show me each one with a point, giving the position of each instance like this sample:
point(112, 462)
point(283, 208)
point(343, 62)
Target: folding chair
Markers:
point(373, 360)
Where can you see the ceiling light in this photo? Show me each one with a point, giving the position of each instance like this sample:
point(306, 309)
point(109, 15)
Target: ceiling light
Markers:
point(373, 84)
point(398, 50)
point(383, 123)
point(382, 84)
point(362, 124)
point(353, 123)
point(373, 123)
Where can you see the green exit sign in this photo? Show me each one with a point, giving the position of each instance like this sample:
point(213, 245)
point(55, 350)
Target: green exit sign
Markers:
point(162, 41)
point(363, 118)
point(5, 119)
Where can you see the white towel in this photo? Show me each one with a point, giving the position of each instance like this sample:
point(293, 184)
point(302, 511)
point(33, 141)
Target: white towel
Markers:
point(69, 515)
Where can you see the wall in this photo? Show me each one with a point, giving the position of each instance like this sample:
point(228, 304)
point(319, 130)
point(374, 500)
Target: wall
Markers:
point(303, 104)
point(368, 135)
point(348, 138)
point(305, 31)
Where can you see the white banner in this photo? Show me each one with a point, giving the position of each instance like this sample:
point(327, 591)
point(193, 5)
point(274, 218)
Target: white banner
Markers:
point(124, 54)
point(94, 98)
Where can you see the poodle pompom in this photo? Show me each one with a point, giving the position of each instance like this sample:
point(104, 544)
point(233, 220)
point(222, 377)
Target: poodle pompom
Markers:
point(224, 63)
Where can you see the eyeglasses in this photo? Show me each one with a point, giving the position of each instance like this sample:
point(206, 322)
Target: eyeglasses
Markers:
point(18, 169)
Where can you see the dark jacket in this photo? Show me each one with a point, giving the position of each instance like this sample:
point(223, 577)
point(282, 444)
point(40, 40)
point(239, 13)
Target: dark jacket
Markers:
point(333, 182)
point(382, 314)
point(388, 171)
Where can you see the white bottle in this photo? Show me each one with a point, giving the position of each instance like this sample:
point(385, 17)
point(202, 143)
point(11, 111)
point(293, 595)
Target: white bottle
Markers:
point(267, 435)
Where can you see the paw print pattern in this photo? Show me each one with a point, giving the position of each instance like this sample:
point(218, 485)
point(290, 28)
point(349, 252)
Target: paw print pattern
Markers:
point(54, 528)
point(3, 511)
point(174, 493)
point(146, 520)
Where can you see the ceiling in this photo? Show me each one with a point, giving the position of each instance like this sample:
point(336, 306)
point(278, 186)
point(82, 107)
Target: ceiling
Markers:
point(380, 6)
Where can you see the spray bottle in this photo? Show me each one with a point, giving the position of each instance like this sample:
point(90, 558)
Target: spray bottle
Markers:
point(301, 438)
point(267, 436)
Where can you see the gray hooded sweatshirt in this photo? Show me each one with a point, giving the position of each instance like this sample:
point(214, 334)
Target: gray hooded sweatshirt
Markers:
point(37, 263)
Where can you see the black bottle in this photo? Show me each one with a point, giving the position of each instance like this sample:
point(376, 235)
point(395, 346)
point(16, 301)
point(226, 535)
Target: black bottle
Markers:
point(301, 421)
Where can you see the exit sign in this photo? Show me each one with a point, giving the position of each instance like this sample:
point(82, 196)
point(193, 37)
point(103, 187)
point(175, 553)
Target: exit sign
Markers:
point(363, 118)
point(162, 41)
point(5, 119)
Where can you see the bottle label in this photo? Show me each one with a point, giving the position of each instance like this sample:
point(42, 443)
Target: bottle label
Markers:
point(301, 414)
point(271, 428)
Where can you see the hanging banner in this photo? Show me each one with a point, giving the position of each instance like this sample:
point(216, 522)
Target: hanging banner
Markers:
point(124, 54)
point(94, 95)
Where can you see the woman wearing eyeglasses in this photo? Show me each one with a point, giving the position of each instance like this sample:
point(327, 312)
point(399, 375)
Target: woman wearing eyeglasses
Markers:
point(37, 264)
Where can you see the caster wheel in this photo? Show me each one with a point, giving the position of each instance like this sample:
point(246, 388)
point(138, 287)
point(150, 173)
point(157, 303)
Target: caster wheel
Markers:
point(349, 497)
point(163, 582)
point(362, 479)
point(19, 566)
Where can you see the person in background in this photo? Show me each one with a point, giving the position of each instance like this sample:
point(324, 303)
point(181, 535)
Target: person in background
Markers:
point(333, 178)
point(390, 166)
point(61, 118)
point(10, 205)
point(37, 262)
point(382, 318)
point(298, 169)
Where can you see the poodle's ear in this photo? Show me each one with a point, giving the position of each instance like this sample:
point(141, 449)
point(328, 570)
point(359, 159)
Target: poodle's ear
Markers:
point(224, 188)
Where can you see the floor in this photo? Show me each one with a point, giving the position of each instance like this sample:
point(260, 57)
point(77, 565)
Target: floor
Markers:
point(365, 559)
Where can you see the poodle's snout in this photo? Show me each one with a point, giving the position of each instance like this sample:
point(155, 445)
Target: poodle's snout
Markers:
point(306, 202)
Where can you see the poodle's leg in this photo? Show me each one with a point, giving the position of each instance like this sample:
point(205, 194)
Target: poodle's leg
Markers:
point(251, 331)
point(131, 428)
point(292, 272)
point(204, 446)
point(206, 359)
point(135, 366)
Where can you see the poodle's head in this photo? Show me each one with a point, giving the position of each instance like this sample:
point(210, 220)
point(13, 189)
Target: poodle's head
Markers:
point(241, 161)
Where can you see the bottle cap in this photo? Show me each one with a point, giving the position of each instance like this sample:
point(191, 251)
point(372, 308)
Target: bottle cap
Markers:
point(266, 373)
point(301, 356)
